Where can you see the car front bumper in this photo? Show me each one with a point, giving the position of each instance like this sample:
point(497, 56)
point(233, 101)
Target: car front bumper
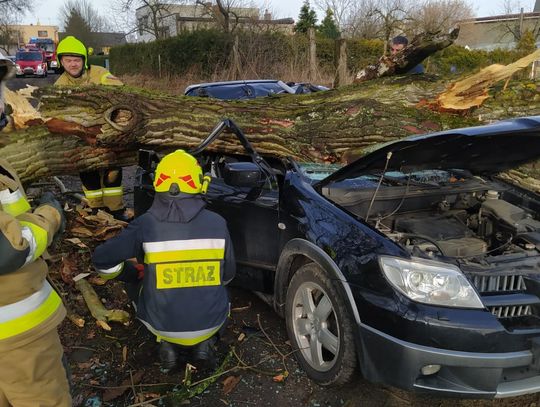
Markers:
point(390, 360)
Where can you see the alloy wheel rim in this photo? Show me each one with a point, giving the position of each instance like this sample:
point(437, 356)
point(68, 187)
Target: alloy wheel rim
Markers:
point(315, 326)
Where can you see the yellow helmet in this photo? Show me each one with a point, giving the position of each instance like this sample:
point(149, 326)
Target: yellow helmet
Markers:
point(72, 46)
point(182, 169)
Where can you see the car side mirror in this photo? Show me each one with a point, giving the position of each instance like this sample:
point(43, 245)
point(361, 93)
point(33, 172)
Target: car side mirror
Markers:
point(243, 174)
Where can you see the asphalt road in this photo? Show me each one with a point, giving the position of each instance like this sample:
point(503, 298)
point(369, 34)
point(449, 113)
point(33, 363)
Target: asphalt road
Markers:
point(20, 83)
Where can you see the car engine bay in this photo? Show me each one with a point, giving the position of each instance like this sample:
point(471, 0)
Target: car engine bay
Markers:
point(447, 216)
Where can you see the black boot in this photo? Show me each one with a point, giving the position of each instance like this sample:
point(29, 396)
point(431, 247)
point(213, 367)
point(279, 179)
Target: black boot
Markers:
point(167, 356)
point(204, 355)
point(120, 215)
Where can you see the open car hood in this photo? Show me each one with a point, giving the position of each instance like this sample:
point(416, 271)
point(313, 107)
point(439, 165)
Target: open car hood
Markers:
point(481, 150)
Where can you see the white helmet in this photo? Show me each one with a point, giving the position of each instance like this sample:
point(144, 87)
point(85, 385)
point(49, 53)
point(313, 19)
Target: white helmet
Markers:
point(7, 68)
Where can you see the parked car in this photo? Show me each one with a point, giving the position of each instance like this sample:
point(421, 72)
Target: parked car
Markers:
point(250, 89)
point(416, 263)
point(31, 63)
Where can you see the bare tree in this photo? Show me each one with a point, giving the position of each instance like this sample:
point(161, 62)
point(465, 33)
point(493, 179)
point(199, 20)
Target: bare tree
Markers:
point(341, 9)
point(437, 15)
point(360, 21)
point(152, 16)
point(10, 12)
point(516, 25)
point(87, 12)
point(391, 16)
point(228, 14)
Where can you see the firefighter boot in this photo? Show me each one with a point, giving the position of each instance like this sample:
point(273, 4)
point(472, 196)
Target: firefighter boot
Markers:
point(120, 215)
point(167, 356)
point(204, 355)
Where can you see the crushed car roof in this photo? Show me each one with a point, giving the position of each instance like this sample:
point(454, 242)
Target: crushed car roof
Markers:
point(483, 149)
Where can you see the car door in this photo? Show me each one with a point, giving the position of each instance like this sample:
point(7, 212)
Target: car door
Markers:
point(252, 219)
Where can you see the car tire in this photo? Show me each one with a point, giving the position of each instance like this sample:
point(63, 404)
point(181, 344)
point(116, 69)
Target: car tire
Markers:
point(320, 327)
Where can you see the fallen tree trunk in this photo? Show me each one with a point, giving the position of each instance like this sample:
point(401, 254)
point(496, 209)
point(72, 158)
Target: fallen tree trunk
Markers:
point(82, 129)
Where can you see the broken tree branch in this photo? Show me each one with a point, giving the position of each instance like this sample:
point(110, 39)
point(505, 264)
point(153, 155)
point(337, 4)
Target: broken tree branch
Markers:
point(98, 311)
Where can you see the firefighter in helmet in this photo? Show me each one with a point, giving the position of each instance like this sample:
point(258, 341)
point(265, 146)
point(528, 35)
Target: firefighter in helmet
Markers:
point(188, 260)
point(31, 371)
point(102, 189)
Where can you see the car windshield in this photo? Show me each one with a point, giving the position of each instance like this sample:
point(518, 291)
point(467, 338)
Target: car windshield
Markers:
point(316, 171)
point(29, 56)
point(434, 178)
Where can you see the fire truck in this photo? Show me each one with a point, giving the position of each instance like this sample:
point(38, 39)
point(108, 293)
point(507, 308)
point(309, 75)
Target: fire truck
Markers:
point(48, 47)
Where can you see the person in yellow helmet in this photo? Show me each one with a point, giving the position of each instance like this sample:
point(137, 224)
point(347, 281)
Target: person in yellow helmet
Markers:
point(31, 368)
point(188, 260)
point(102, 189)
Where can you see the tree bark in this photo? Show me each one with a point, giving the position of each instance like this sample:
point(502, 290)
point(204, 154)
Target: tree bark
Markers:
point(91, 128)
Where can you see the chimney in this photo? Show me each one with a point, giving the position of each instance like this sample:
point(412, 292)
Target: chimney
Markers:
point(268, 16)
point(536, 6)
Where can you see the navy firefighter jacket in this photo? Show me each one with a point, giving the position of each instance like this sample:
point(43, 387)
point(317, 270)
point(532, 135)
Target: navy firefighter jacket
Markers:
point(188, 259)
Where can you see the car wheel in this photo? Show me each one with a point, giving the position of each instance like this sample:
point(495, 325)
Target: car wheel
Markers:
point(320, 327)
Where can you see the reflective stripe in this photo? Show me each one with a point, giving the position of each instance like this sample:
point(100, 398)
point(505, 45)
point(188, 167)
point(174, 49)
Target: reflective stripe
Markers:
point(14, 203)
point(26, 314)
point(96, 193)
point(116, 191)
point(37, 239)
point(184, 250)
point(108, 274)
point(188, 338)
point(188, 274)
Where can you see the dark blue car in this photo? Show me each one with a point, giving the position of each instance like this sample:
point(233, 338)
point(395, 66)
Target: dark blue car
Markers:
point(417, 264)
point(250, 89)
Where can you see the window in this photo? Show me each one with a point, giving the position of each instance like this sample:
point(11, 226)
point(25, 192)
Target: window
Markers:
point(42, 33)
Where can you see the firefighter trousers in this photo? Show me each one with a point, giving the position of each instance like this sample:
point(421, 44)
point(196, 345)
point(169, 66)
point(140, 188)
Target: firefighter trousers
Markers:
point(103, 188)
point(33, 375)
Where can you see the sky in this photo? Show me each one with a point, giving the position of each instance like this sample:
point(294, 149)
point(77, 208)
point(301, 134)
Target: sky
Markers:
point(46, 12)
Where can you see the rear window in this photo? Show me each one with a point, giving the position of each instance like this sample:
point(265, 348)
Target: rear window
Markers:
point(29, 56)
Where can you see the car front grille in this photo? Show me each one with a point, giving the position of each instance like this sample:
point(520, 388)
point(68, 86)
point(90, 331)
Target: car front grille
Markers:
point(511, 311)
point(506, 297)
point(501, 284)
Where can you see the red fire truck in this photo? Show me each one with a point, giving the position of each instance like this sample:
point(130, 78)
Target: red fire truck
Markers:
point(48, 47)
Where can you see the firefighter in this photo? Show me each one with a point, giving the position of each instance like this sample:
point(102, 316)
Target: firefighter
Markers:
point(188, 260)
point(102, 189)
point(31, 372)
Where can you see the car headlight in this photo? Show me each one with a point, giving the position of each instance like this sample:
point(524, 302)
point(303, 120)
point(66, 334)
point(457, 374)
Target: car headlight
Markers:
point(430, 282)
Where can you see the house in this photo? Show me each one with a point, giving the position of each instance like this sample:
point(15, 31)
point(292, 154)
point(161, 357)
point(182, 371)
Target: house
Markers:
point(174, 19)
point(498, 31)
point(22, 33)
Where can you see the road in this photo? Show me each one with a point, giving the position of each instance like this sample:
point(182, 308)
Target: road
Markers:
point(19, 83)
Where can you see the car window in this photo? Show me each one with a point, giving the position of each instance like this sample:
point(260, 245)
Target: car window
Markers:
point(29, 56)
point(317, 171)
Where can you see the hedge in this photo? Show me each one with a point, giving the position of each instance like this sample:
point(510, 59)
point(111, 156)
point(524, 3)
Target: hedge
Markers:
point(207, 52)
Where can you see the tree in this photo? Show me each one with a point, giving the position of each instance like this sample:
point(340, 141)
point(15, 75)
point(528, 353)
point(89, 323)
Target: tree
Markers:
point(227, 14)
point(516, 26)
point(306, 19)
point(151, 16)
point(328, 27)
point(96, 127)
point(77, 26)
point(83, 9)
point(526, 43)
point(10, 12)
point(437, 15)
point(360, 22)
point(391, 16)
point(341, 9)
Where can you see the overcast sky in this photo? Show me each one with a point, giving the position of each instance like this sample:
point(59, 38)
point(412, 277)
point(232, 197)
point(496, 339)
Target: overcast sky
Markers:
point(46, 12)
